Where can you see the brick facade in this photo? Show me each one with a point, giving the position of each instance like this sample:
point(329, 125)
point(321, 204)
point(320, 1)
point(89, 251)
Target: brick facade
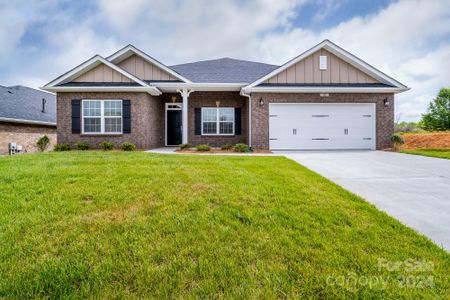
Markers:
point(260, 115)
point(147, 123)
point(148, 116)
point(24, 135)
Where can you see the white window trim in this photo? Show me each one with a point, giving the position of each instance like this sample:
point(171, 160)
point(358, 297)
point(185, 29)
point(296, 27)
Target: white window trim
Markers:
point(218, 122)
point(102, 117)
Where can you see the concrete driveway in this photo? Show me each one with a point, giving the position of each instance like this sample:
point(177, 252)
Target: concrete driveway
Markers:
point(413, 189)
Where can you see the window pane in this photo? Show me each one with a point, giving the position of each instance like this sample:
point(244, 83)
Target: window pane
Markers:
point(209, 114)
point(91, 108)
point(209, 128)
point(226, 128)
point(92, 125)
point(113, 108)
point(113, 124)
point(226, 114)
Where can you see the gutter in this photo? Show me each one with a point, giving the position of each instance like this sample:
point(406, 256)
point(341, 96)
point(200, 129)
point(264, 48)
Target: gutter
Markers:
point(198, 86)
point(152, 90)
point(323, 90)
point(242, 93)
point(23, 121)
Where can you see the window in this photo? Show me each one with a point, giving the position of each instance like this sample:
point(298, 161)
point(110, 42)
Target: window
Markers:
point(217, 121)
point(102, 116)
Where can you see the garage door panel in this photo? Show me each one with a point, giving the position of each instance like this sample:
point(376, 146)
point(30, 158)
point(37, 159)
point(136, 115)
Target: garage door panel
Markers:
point(321, 126)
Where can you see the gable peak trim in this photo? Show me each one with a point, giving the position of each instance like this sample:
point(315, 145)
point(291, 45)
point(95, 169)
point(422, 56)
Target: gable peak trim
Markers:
point(124, 53)
point(342, 54)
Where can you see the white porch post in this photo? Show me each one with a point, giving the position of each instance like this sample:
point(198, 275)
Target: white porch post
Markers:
point(185, 96)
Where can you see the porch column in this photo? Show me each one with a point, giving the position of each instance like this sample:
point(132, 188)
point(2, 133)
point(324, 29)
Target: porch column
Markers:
point(185, 96)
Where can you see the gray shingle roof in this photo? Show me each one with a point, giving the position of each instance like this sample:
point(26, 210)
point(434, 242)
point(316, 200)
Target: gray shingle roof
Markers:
point(223, 70)
point(20, 102)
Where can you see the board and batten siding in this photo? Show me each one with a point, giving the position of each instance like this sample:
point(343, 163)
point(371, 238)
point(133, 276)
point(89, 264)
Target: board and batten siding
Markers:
point(144, 70)
point(307, 71)
point(102, 73)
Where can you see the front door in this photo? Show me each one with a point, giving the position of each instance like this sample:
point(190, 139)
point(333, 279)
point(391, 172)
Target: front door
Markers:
point(173, 128)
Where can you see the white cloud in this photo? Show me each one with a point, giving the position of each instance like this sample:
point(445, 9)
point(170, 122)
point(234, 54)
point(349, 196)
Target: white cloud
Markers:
point(409, 40)
point(411, 47)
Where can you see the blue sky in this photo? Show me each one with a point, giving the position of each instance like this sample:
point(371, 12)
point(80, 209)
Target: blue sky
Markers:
point(409, 40)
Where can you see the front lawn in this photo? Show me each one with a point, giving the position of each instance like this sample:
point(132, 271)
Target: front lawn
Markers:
point(136, 225)
point(439, 153)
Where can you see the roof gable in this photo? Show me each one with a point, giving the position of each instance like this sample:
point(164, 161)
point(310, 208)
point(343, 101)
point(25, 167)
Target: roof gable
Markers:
point(92, 64)
point(355, 67)
point(164, 72)
point(102, 73)
point(307, 71)
point(145, 70)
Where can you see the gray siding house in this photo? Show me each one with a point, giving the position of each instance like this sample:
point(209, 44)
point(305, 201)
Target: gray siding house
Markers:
point(26, 114)
point(325, 98)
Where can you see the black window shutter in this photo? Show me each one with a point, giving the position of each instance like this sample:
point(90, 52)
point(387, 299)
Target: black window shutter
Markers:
point(76, 116)
point(237, 121)
point(126, 112)
point(198, 121)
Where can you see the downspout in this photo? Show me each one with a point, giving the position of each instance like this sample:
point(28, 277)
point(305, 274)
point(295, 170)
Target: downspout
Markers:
point(249, 116)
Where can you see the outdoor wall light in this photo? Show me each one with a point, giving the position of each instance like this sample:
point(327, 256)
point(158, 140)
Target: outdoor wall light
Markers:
point(386, 102)
point(261, 101)
point(217, 103)
point(174, 99)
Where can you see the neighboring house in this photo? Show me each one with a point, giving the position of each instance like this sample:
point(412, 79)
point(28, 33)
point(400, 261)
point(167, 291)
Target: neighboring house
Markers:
point(325, 98)
point(26, 114)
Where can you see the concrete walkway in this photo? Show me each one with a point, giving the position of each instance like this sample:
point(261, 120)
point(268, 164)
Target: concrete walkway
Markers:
point(413, 189)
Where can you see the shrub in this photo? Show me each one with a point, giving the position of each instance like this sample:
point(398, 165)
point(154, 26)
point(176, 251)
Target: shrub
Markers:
point(203, 148)
point(128, 147)
point(227, 147)
point(106, 146)
point(62, 147)
point(82, 146)
point(397, 140)
point(185, 146)
point(42, 143)
point(241, 148)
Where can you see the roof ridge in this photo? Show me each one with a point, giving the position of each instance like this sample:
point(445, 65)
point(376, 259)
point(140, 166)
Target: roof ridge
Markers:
point(223, 58)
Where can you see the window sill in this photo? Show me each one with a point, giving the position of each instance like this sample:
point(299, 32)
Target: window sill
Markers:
point(212, 135)
point(101, 134)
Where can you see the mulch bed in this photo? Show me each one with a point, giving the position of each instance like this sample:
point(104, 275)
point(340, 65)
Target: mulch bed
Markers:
point(218, 151)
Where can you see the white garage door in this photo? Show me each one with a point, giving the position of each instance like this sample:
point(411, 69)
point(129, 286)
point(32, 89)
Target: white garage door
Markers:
point(294, 126)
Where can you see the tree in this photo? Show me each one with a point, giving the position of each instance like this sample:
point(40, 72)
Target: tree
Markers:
point(437, 117)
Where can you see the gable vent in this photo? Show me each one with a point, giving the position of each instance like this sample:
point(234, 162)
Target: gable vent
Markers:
point(323, 62)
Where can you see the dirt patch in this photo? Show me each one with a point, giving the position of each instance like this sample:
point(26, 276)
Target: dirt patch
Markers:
point(426, 140)
point(218, 151)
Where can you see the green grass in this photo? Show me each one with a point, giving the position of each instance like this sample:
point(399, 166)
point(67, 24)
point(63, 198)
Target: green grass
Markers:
point(439, 153)
point(136, 225)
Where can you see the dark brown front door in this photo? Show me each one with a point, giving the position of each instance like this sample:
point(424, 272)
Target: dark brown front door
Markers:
point(173, 127)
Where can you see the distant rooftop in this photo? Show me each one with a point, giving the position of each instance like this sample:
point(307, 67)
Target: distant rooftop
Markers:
point(24, 103)
point(223, 70)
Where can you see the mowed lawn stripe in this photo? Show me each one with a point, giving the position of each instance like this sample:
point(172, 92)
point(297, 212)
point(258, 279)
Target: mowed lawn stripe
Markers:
point(114, 224)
